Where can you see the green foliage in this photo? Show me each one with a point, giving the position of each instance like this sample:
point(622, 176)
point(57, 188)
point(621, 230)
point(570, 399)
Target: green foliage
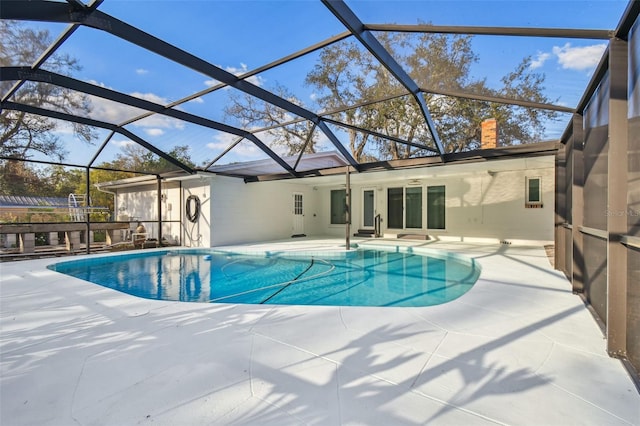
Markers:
point(22, 134)
point(17, 178)
point(21, 178)
point(437, 63)
point(252, 112)
point(346, 75)
point(135, 157)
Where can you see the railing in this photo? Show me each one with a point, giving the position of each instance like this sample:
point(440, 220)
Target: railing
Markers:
point(376, 224)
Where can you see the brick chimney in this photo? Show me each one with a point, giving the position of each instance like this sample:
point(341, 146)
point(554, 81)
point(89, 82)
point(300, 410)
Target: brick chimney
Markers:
point(489, 138)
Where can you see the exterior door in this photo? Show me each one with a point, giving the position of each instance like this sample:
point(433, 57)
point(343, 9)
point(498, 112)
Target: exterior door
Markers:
point(298, 214)
point(368, 208)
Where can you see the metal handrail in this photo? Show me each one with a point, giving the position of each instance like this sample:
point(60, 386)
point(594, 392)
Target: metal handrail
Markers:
point(376, 224)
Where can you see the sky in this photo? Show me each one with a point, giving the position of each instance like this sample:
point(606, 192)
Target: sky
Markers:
point(242, 35)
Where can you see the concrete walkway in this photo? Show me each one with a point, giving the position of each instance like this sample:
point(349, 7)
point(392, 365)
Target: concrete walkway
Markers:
point(519, 348)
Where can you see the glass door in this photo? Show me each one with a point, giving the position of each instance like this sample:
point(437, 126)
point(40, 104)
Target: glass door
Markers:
point(368, 208)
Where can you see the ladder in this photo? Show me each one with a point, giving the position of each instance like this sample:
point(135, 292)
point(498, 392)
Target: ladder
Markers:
point(77, 207)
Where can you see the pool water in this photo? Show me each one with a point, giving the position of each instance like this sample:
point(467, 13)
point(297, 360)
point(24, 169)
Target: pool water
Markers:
point(363, 277)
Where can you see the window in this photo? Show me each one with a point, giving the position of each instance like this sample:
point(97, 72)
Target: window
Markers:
point(413, 209)
point(369, 207)
point(338, 207)
point(404, 208)
point(534, 195)
point(297, 204)
point(436, 207)
point(395, 208)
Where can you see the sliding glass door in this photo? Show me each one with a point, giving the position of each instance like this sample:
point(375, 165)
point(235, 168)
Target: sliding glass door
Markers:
point(395, 208)
point(413, 207)
point(435, 207)
point(368, 208)
point(404, 208)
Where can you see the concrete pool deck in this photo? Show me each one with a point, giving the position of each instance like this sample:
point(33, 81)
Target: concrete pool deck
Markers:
point(519, 349)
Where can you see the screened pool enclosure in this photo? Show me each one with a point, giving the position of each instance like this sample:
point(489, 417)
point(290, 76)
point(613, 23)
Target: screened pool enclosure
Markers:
point(107, 91)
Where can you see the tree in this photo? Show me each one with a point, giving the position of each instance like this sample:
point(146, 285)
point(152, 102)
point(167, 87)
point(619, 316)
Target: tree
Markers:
point(135, 157)
point(17, 178)
point(346, 75)
point(252, 112)
point(21, 134)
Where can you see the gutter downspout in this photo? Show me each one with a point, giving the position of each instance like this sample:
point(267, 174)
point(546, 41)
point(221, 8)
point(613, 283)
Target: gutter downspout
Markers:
point(114, 217)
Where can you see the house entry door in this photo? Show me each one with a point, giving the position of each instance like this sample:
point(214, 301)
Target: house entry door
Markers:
point(298, 214)
point(368, 208)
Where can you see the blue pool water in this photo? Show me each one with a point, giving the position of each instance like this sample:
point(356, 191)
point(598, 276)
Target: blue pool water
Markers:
point(385, 277)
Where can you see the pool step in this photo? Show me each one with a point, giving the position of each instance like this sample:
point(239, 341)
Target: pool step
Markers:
point(365, 233)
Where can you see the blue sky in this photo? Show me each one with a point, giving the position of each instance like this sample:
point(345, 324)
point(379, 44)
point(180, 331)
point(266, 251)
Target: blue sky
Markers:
point(243, 35)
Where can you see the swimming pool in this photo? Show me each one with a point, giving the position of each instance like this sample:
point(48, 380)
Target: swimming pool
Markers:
point(363, 277)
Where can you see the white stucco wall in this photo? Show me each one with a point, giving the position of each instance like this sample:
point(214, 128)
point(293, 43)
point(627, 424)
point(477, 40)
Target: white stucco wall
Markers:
point(140, 203)
point(171, 217)
point(484, 202)
point(494, 207)
point(261, 211)
point(480, 205)
point(198, 233)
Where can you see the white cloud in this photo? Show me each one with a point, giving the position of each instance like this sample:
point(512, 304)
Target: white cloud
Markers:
point(95, 83)
point(160, 122)
point(541, 58)
point(151, 97)
point(197, 100)
point(142, 71)
point(254, 79)
point(122, 142)
point(154, 132)
point(64, 128)
point(579, 58)
point(244, 151)
point(112, 112)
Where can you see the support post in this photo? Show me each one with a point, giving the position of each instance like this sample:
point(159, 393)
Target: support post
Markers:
point(159, 180)
point(348, 209)
point(617, 200)
point(559, 260)
point(72, 240)
point(87, 212)
point(113, 236)
point(27, 242)
point(578, 269)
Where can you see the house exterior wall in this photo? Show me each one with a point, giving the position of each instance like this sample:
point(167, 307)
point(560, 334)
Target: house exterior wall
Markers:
point(198, 233)
point(484, 202)
point(140, 203)
point(259, 211)
point(480, 206)
point(171, 197)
